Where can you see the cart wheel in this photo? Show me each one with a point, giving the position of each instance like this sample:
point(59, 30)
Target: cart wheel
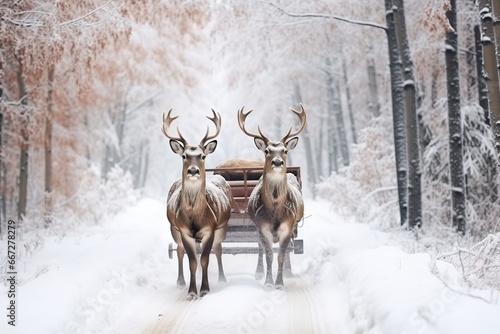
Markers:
point(170, 251)
point(298, 246)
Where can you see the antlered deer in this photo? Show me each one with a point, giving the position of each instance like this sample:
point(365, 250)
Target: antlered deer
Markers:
point(198, 206)
point(276, 204)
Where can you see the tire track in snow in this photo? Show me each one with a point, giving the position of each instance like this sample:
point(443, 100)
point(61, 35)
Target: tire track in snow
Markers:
point(173, 318)
point(301, 311)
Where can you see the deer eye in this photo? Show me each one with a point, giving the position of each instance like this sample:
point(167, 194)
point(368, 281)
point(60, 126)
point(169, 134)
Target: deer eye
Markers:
point(266, 151)
point(184, 156)
point(203, 156)
point(285, 151)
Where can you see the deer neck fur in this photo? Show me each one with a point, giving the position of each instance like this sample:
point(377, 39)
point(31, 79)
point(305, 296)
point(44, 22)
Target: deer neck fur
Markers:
point(193, 197)
point(274, 189)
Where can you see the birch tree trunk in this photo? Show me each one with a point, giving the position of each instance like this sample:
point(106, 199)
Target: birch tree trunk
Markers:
point(490, 68)
point(397, 113)
point(48, 149)
point(455, 122)
point(410, 104)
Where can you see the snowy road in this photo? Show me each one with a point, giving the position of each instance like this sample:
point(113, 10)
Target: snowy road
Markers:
point(351, 279)
point(294, 306)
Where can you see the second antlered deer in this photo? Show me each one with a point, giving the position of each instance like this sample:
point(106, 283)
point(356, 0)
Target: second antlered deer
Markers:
point(276, 204)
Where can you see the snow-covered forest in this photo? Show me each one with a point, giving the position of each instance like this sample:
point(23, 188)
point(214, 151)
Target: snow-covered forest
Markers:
point(402, 134)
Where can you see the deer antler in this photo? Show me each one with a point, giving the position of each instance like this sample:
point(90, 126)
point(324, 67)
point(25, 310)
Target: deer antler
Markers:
point(241, 122)
point(217, 121)
point(302, 117)
point(167, 121)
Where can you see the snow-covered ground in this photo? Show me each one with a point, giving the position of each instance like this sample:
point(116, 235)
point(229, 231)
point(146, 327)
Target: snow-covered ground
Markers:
point(117, 278)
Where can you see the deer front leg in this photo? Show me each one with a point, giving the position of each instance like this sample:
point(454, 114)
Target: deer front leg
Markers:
point(206, 246)
point(220, 235)
point(180, 256)
point(284, 235)
point(190, 247)
point(266, 238)
point(259, 272)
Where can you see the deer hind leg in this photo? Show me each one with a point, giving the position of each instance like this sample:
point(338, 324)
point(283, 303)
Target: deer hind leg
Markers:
point(190, 247)
point(206, 246)
point(266, 238)
point(284, 235)
point(259, 272)
point(219, 236)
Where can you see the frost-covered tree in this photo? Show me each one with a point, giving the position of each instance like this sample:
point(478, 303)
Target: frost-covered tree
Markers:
point(411, 123)
point(490, 38)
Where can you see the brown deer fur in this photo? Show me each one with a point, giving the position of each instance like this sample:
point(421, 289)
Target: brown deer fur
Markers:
point(276, 203)
point(198, 207)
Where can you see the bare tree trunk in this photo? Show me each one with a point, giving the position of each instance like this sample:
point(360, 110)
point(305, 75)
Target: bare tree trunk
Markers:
point(319, 156)
point(374, 105)
point(455, 123)
point(312, 175)
point(335, 108)
point(482, 89)
point(434, 81)
point(349, 104)
point(333, 151)
point(414, 171)
point(490, 67)
point(339, 120)
point(48, 149)
point(143, 164)
point(23, 165)
point(2, 171)
point(398, 113)
point(496, 30)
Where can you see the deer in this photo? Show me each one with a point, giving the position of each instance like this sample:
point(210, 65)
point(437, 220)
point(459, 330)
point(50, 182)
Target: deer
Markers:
point(198, 206)
point(275, 204)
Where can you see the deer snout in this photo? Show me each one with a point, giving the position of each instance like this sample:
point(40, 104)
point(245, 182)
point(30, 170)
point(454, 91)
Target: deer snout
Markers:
point(277, 162)
point(193, 171)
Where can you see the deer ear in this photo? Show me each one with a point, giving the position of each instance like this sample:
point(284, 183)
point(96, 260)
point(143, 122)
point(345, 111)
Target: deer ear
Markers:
point(291, 143)
point(261, 144)
point(176, 146)
point(210, 147)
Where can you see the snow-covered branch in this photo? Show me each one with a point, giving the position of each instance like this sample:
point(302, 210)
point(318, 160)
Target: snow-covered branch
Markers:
point(334, 17)
point(86, 15)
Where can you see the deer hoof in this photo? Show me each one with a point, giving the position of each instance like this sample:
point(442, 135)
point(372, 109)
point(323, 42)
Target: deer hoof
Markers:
point(203, 293)
point(192, 296)
point(222, 279)
point(181, 283)
point(268, 285)
point(259, 275)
